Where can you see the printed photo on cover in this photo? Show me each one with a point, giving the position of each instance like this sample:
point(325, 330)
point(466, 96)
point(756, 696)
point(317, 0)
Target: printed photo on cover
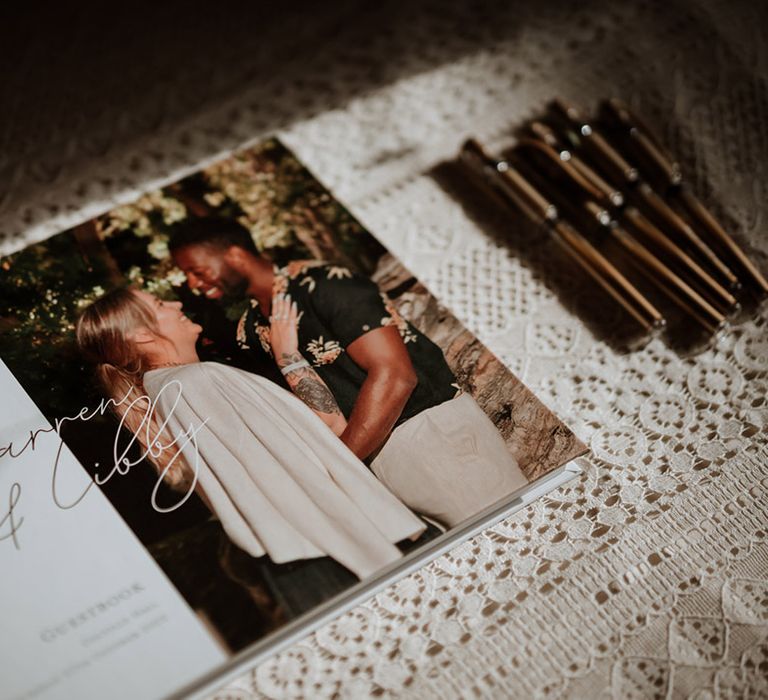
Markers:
point(289, 409)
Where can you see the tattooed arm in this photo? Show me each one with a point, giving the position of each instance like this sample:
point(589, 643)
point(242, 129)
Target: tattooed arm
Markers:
point(313, 391)
point(304, 381)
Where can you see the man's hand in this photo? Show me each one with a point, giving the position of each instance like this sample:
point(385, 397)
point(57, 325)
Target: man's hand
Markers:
point(391, 380)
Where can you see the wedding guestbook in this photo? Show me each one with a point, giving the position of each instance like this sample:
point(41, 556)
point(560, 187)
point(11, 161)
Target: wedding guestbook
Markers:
point(228, 414)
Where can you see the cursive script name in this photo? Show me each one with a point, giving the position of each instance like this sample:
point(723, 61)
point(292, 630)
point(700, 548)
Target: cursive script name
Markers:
point(155, 435)
point(10, 517)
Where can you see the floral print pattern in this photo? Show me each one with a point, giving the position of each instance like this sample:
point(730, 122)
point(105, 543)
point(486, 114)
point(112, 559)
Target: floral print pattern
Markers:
point(264, 338)
point(336, 307)
point(395, 319)
point(323, 351)
point(337, 272)
point(242, 336)
point(298, 267)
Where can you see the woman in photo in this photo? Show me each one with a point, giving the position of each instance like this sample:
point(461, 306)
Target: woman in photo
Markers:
point(269, 466)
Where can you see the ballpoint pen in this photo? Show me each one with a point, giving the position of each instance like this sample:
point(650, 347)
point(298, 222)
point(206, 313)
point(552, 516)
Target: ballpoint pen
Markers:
point(659, 168)
point(582, 135)
point(594, 218)
point(580, 189)
point(586, 137)
point(696, 275)
point(506, 180)
point(542, 132)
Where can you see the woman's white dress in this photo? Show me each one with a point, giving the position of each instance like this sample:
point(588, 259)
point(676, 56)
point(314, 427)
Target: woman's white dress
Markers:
point(278, 479)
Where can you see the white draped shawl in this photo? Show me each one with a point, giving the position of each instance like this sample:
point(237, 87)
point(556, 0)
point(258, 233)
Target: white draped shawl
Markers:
point(276, 476)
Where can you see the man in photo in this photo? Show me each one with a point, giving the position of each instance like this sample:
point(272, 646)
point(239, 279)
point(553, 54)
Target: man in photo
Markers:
point(427, 441)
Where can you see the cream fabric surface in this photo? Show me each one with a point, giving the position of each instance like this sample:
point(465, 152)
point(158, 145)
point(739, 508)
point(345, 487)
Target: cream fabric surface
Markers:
point(646, 578)
point(448, 462)
point(278, 479)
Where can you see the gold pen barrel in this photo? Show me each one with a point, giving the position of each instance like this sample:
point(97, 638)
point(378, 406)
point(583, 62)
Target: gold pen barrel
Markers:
point(601, 269)
point(548, 137)
point(699, 212)
point(542, 132)
point(720, 296)
point(614, 196)
point(643, 143)
point(660, 275)
point(608, 158)
point(562, 166)
point(670, 172)
point(520, 189)
point(502, 177)
point(667, 217)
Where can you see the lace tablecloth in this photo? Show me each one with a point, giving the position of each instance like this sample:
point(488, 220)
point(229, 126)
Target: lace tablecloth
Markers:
point(648, 577)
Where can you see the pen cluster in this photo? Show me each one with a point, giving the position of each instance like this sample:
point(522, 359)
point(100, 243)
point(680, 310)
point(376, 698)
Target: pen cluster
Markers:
point(609, 193)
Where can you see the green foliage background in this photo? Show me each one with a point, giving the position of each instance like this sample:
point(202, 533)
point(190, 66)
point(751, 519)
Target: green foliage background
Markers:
point(44, 287)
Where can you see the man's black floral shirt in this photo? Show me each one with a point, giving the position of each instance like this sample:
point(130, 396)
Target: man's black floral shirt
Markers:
point(336, 307)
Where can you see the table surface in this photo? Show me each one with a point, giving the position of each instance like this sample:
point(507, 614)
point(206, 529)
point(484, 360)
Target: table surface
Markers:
point(647, 577)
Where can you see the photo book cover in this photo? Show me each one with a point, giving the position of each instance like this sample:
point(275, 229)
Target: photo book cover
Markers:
point(226, 406)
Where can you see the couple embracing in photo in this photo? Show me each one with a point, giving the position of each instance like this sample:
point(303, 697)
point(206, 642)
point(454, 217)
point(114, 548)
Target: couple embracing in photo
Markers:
point(374, 436)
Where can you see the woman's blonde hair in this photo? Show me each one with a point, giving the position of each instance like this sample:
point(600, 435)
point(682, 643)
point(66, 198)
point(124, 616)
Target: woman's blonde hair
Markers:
point(103, 334)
